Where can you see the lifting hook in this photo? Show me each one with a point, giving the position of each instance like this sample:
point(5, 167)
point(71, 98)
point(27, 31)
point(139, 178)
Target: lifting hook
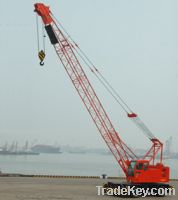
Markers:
point(41, 63)
point(41, 56)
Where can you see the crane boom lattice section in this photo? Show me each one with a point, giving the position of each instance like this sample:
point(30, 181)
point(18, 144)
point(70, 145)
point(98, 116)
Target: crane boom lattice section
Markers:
point(85, 90)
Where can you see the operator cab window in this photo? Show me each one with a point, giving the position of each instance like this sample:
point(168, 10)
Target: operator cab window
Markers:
point(139, 166)
point(145, 166)
point(131, 168)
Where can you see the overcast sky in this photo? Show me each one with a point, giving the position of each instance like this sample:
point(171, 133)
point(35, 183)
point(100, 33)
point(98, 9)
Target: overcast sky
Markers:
point(134, 43)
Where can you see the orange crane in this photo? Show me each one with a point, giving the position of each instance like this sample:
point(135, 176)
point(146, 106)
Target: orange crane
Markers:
point(148, 170)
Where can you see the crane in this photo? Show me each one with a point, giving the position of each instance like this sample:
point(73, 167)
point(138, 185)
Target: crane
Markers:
point(146, 170)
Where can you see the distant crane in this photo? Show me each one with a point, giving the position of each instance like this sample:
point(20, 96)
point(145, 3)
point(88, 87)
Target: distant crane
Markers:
point(141, 172)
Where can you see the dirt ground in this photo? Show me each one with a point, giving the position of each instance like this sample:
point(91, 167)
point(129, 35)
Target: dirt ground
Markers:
point(27, 188)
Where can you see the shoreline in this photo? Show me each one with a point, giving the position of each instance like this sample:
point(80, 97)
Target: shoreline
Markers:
point(64, 176)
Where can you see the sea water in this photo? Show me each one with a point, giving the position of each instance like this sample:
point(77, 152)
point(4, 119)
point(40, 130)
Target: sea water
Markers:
point(86, 164)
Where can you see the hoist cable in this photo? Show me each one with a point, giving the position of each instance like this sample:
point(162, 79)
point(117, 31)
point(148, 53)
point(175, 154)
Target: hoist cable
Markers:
point(101, 81)
point(44, 36)
point(140, 124)
point(37, 28)
point(104, 82)
point(41, 53)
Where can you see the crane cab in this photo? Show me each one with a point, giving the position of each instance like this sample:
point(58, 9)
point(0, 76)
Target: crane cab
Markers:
point(141, 171)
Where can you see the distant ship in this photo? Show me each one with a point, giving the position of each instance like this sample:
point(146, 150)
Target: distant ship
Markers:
point(7, 152)
point(41, 148)
point(14, 150)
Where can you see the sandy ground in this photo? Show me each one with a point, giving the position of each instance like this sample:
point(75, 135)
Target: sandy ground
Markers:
point(26, 188)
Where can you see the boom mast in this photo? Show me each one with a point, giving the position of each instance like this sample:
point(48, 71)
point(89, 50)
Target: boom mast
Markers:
point(69, 60)
point(64, 50)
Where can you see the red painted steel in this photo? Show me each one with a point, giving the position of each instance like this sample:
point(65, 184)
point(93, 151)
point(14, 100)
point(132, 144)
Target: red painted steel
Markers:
point(44, 12)
point(123, 154)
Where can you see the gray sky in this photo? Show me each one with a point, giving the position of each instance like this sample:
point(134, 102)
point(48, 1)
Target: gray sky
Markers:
point(135, 45)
